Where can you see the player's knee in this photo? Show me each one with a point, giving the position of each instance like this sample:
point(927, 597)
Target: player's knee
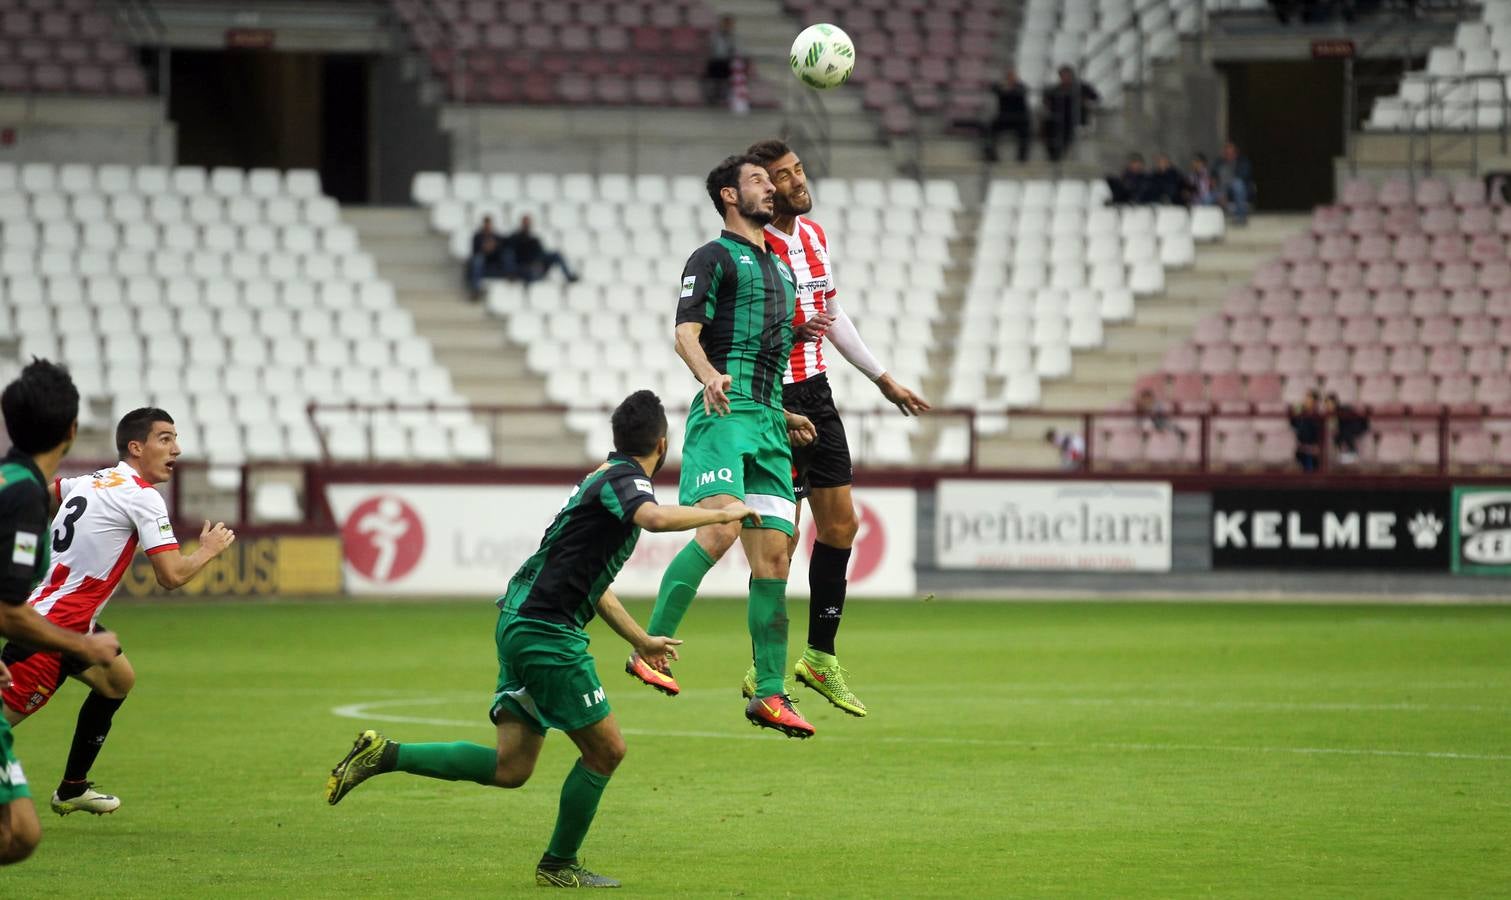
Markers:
point(841, 533)
point(717, 539)
point(607, 756)
point(24, 838)
point(770, 562)
point(512, 773)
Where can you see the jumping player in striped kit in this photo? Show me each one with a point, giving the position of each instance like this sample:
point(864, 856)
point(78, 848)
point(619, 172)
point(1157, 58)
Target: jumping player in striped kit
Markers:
point(822, 471)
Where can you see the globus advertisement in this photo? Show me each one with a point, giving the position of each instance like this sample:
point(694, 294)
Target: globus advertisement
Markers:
point(420, 539)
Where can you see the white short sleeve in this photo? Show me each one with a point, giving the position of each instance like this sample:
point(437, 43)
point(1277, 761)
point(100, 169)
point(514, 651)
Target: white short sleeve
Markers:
point(154, 531)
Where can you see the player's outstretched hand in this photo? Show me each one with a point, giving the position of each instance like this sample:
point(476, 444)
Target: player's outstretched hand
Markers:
point(814, 328)
point(739, 512)
point(715, 398)
point(800, 431)
point(658, 650)
point(218, 538)
point(101, 647)
point(907, 400)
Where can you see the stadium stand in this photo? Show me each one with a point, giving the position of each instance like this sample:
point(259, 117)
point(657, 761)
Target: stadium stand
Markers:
point(629, 238)
point(231, 298)
point(612, 53)
point(1053, 264)
point(1398, 300)
point(64, 46)
point(1462, 87)
point(930, 57)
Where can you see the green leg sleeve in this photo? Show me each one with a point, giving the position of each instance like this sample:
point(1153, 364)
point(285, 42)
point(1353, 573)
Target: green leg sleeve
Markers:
point(767, 617)
point(580, 794)
point(678, 587)
point(461, 761)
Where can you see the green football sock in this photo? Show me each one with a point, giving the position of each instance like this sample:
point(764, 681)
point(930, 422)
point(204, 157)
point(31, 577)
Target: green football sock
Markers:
point(679, 585)
point(580, 794)
point(767, 617)
point(460, 761)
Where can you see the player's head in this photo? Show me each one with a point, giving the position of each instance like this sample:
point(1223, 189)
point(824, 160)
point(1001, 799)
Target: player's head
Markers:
point(148, 440)
point(787, 176)
point(640, 428)
point(740, 183)
point(41, 408)
point(524, 224)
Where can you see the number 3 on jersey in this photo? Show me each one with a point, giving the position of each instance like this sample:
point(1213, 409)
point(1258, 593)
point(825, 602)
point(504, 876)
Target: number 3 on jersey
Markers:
point(62, 540)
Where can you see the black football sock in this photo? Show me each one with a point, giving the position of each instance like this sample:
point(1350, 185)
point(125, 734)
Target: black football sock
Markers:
point(88, 737)
point(826, 586)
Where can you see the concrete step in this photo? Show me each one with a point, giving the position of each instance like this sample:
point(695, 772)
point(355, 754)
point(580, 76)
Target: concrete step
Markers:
point(1072, 395)
point(379, 222)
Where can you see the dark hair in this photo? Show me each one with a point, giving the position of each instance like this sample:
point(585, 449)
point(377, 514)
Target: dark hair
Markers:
point(137, 426)
point(764, 153)
point(727, 174)
point(639, 423)
point(40, 407)
point(1049, 436)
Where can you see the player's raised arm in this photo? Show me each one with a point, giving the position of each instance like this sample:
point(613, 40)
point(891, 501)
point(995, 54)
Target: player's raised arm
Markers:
point(655, 650)
point(174, 570)
point(685, 518)
point(846, 338)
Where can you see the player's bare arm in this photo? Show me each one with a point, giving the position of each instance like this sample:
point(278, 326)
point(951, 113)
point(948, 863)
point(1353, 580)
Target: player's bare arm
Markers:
point(904, 398)
point(24, 625)
point(686, 518)
point(656, 650)
point(715, 384)
point(174, 570)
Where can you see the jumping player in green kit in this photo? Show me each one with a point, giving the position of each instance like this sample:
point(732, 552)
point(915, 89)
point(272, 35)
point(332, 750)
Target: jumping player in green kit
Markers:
point(546, 676)
point(734, 331)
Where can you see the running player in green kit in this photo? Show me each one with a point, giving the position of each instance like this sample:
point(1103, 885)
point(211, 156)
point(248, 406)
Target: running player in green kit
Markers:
point(546, 678)
point(734, 331)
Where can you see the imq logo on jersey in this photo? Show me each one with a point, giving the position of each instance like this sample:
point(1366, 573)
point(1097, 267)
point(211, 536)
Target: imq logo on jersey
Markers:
point(1323, 529)
point(1481, 542)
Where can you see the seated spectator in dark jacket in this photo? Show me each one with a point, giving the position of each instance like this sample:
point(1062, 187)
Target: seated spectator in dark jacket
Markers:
point(1132, 184)
point(1166, 184)
point(1067, 106)
point(1201, 188)
point(1153, 415)
point(1306, 422)
point(1348, 426)
point(1012, 115)
point(527, 259)
point(486, 259)
point(1235, 183)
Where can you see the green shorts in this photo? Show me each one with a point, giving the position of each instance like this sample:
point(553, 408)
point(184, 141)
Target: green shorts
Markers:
point(744, 454)
point(545, 675)
point(13, 784)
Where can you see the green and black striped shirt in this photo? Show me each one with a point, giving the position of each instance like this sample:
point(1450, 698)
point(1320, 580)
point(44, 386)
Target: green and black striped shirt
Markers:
point(743, 296)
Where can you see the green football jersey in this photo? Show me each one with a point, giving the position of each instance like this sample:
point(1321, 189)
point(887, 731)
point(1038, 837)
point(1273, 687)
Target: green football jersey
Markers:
point(743, 296)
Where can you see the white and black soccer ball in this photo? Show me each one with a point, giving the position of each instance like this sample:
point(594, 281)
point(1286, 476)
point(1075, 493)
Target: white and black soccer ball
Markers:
point(823, 56)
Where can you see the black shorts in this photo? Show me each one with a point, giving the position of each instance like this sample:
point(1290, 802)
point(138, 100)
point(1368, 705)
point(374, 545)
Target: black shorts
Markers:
point(825, 463)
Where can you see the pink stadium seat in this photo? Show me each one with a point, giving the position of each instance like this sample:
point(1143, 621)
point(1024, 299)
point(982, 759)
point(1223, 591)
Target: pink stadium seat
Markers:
point(1366, 220)
point(1382, 276)
point(1445, 360)
point(1477, 330)
point(1151, 381)
point(1395, 192)
point(1418, 391)
point(1426, 453)
point(1392, 303)
point(1334, 247)
point(1472, 448)
point(1368, 360)
point(1411, 247)
point(1301, 246)
point(1357, 192)
point(1352, 303)
point(1429, 302)
point(1403, 220)
point(1494, 393)
point(1278, 302)
point(1316, 302)
point(1465, 303)
point(1334, 360)
point(1124, 447)
point(1498, 303)
point(1323, 331)
point(1433, 192)
point(1211, 330)
point(1345, 275)
point(1308, 274)
point(1398, 331)
point(1271, 275)
point(1227, 388)
point(1503, 220)
point(1217, 358)
point(1256, 359)
point(1378, 392)
point(1240, 301)
point(1456, 391)
point(1264, 389)
point(1420, 275)
point(1485, 360)
point(1330, 220)
point(1374, 248)
point(1468, 194)
point(1285, 330)
point(1165, 448)
point(1494, 275)
point(1180, 359)
point(1345, 386)
point(1359, 331)
point(1477, 221)
point(1188, 390)
point(1438, 331)
point(1457, 275)
point(1234, 444)
point(1293, 360)
point(1247, 330)
point(1448, 248)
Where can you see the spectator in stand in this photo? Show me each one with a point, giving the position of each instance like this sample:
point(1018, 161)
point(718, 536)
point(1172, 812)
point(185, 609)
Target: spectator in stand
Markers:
point(527, 259)
point(1201, 190)
point(1306, 422)
point(486, 259)
point(722, 51)
point(1166, 183)
point(1067, 106)
point(1071, 447)
point(1012, 115)
point(1153, 415)
point(1348, 425)
point(1132, 184)
point(1235, 183)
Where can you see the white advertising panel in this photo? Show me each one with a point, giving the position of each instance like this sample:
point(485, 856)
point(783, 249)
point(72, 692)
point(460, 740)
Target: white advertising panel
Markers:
point(416, 539)
point(1086, 525)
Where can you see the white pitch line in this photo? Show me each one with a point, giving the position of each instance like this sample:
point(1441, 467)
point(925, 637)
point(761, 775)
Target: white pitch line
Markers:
point(363, 711)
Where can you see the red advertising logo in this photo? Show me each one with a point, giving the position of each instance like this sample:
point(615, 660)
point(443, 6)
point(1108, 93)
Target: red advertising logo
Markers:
point(383, 538)
point(870, 542)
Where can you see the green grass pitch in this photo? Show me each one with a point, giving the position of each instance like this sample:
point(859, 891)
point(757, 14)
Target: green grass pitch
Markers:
point(1076, 750)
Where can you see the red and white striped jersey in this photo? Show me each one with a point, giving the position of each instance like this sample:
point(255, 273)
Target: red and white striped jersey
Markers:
point(807, 252)
point(103, 518)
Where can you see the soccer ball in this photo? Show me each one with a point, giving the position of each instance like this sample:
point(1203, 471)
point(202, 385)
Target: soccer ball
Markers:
point(822, 57)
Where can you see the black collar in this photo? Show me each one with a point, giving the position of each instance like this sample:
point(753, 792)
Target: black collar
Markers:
point(617, 457)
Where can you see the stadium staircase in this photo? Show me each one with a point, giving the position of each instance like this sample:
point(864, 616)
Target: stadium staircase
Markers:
point(1104, 376)
point(485, 367)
